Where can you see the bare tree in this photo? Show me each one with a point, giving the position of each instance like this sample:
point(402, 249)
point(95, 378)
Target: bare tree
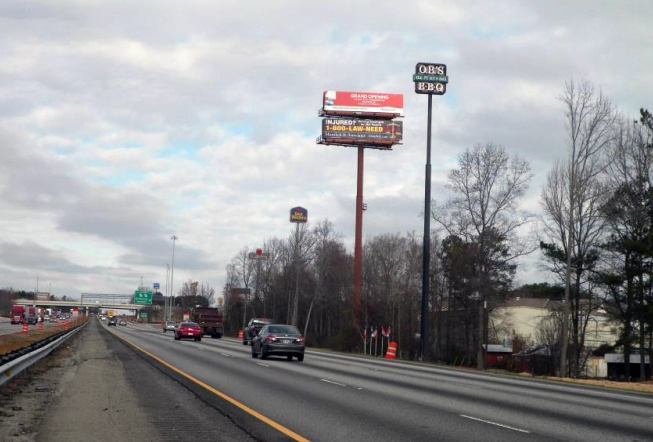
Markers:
point(589, 120)
point(588, 229)
point(488, 185)
point(303, 240)
point(328, 251)
point(626, 273)
point(241, 269)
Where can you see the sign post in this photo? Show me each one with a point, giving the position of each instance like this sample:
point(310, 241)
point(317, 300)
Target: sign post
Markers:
point(298, 215)
point(431, 79)
point(362, 120)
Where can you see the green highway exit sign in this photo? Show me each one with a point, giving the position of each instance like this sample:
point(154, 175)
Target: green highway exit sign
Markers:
point(142, 297)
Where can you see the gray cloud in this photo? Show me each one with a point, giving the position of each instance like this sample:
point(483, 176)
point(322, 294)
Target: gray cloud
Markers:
point(123, 123)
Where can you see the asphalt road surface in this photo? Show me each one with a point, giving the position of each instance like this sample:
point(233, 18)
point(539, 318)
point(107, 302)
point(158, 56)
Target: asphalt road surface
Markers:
point(331, 397)
point(7, 327)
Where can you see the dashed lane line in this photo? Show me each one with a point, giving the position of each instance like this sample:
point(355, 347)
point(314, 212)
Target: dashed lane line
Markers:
point(495, 423)
point(333, 382)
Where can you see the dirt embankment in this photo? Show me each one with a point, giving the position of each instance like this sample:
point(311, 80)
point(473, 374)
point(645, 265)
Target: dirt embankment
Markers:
point(15, 341)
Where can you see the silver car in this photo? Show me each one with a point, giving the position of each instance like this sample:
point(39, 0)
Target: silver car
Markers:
point(169, 325)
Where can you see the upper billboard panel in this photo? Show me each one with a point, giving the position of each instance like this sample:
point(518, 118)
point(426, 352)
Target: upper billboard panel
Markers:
point(363, 104)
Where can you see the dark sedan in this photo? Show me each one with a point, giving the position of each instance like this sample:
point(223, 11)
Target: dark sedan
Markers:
point(188, 330)
point(278, 340)
point(253, 327)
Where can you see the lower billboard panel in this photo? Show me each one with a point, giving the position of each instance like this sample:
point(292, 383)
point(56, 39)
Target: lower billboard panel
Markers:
point(355, 131)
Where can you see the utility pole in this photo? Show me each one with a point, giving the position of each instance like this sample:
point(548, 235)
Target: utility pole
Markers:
point(166, 303)
point(172, 271)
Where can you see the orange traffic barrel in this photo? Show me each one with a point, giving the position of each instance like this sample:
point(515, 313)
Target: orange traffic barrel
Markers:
point(240, 334)
point(392, 350)
point(40, 326)
point(25, 327)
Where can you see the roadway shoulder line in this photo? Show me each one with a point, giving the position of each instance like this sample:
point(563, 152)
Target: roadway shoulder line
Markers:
point(218, 393)
point(332, 382)
point(495, 423)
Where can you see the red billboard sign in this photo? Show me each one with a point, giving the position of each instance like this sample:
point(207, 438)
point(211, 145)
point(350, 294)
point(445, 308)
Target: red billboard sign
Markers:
point(357, 132)
point(371, 104)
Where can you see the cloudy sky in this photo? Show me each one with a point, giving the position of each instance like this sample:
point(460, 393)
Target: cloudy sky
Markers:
point(123, 123)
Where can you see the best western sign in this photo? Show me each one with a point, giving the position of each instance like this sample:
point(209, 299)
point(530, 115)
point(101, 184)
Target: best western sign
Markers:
point(298, 215)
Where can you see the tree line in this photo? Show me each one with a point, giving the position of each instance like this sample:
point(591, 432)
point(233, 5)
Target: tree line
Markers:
point(595, 235)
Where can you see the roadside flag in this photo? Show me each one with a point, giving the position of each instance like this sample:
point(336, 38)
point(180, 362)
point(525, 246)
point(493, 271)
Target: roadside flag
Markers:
point(365, 334)
point(374, 334)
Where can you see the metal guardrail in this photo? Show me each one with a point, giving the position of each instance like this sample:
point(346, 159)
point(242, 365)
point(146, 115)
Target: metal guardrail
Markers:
point(16, 366)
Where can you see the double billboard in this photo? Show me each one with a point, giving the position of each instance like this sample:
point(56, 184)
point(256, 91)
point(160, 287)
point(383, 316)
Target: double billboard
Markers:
point(361, 131)
point(362, 104)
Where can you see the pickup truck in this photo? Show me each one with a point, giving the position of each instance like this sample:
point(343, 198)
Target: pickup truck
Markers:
point(253, 327)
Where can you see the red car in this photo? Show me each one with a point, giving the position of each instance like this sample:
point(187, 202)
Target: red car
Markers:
point(188, 330)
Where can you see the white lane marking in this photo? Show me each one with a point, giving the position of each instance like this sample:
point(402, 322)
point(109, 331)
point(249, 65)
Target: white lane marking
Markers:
point(225, 354)
point(264, 365)
point(494, 423)
point(332, 382)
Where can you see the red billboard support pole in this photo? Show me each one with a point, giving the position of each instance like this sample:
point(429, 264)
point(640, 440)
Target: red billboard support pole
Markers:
point(358, 245)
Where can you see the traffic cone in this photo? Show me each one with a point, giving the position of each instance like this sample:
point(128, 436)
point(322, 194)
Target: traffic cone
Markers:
point(240, 334)
point(392, 350)
point(25, 328)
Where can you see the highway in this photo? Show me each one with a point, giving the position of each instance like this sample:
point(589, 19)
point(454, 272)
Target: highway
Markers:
point(337, 397)
point(6, 327)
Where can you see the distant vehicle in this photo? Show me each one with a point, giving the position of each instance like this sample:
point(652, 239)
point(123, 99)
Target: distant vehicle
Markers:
point(209, 319)
point(169, 325)
point(30, 315)
point(188, 330)
point(279, 340)
point(46, 317)
point(103, 318)
point(253, 327)
point(112, 321)
point(122, 322)
point(17, 314)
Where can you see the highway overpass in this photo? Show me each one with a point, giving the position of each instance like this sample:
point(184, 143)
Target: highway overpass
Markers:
point(83, 303)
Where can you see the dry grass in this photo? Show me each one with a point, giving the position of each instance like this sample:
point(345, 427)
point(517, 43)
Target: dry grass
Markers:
point(15, 341)
point(642, 387)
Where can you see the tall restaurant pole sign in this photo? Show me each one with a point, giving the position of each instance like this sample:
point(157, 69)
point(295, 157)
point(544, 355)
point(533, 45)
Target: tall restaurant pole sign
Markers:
point(431, 79)
point(298, 215)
